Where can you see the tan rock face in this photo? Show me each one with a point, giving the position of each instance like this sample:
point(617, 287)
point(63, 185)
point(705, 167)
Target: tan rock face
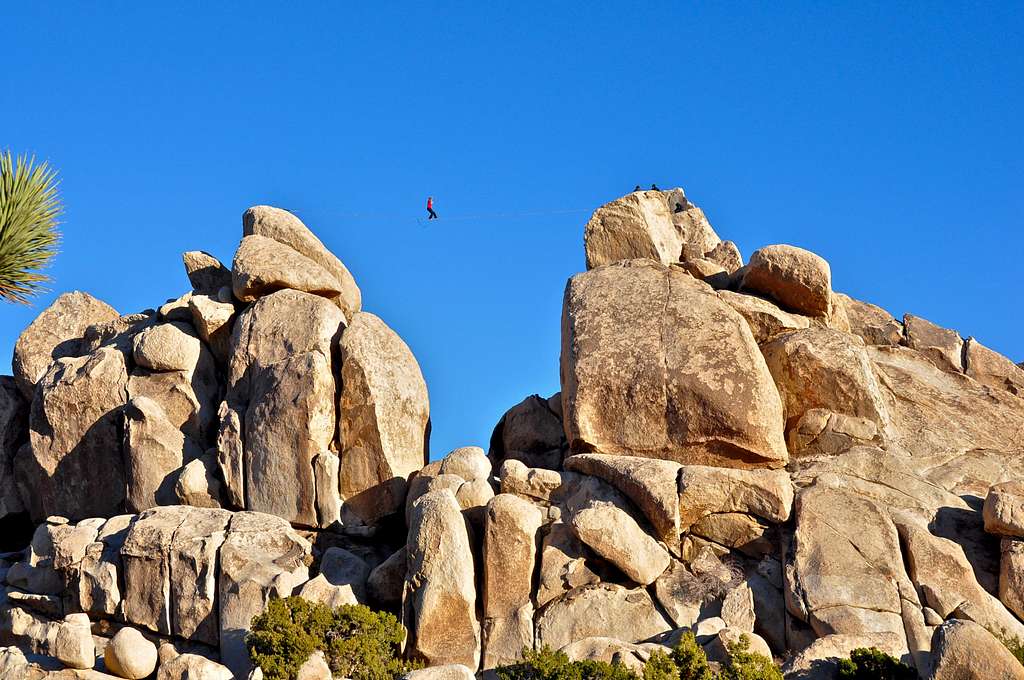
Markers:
point(262, 266)
point(284, 227)
point(73, 645)
point(942, 346)
point(387, 580)
point(604, 610)
point(74, 467)
point(945, 577)
point(281, 384)
point(531, 432)
point(650, 483)
point(167, 347)
point(342, 579)
point(821, 368)
point(654, 365)
point(942, 414)
point(192, 667)
point(846, 571)
point(646, 224)
point(509, 555)
point(963, 650)
point(992, 369)
point(820, 660)
point(130, 655)
point(57, 332)
point(874, 325)
point(797, 278)
point(616, 536)
point(1004, 509)
point(154, 450)
point(439, 603)
point(765, 319)
point(727, 255)
point(213, 321)
point(384, 415)
point(563, 564)
point(205, 272)
point(705, 490)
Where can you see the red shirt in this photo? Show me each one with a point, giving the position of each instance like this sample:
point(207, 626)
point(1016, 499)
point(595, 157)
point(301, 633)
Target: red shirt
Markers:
point(430, 203)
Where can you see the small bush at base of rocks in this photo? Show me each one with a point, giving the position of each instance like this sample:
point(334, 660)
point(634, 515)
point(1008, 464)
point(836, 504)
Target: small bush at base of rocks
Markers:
point(691, 660)
point(874, 664)
point(358, 642)
point(547, 664)
point(686, 662)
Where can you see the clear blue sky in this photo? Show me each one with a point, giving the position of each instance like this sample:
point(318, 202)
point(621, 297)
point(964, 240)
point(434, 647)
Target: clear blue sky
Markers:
point(887, 139)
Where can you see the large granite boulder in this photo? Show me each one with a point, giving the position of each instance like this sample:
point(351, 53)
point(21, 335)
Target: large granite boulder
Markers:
point(655, 365)
point(821, 368)
point(604, 610)
point(846, 574)
point(262, 266)
point(440, 600)
point(384, 417)
point(57, 332)
point(281, 384)
point(871, 323)
point(992, 369)
point(647, 224)
point(706, 490)
point(205, 272)
point(942, 346)
point(74, 465)
point(531, 432)
point(963, 650)
point(1004, 509)
point(284, 227)
point(797, 278)
point(509, 555)
point(154, 451)
point(652, 484)
point(615, 536)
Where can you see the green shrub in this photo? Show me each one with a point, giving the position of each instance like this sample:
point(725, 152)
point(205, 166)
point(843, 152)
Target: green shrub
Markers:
point(690, 659)
point(358, 642)
point(874, 664)
point(746, 665)
point(686, 662)
point(660, 666)
point(547, 664)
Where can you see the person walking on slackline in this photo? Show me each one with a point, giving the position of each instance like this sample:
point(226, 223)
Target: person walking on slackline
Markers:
point(430, 208)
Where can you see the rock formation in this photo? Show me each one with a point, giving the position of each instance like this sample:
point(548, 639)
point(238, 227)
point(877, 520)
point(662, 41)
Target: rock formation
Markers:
point(735, 449)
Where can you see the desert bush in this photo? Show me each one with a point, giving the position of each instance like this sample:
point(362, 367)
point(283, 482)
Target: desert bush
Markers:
point(358, 642)
point(746, 665)
point(660, 666)
point(547, 664)
point(690, 659)
point(686, 662)
point(874, 664)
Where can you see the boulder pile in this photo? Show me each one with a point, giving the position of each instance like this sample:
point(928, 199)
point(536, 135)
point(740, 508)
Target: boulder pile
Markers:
point(736, 449)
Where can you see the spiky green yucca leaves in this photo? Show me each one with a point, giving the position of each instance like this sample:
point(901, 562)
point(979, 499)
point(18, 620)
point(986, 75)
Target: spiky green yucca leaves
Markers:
point(29, 208)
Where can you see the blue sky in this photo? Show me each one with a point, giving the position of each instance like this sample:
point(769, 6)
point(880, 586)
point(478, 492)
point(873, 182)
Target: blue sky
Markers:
point(884, 136)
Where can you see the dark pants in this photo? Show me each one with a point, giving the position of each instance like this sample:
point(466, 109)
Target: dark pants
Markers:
point(433, 215)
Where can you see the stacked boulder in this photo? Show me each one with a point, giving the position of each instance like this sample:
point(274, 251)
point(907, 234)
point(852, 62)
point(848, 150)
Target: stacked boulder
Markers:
point(736, 450)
